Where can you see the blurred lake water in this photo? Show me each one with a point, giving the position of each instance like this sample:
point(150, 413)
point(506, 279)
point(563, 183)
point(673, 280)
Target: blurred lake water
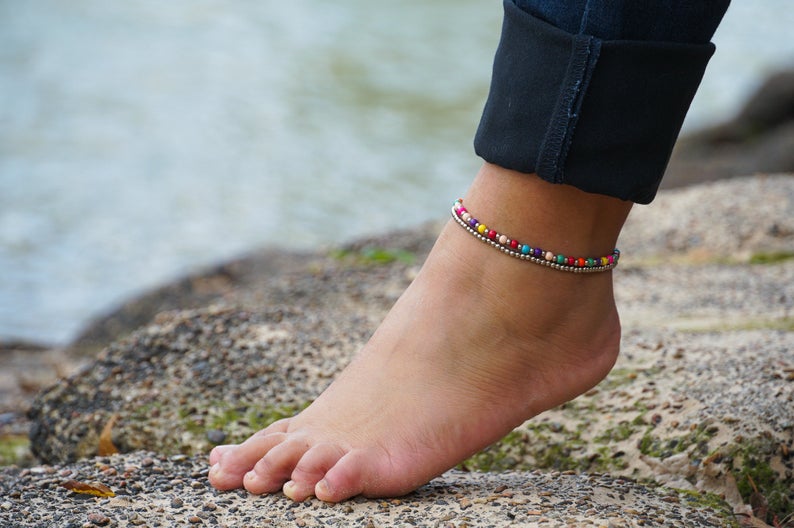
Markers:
point(142, 140)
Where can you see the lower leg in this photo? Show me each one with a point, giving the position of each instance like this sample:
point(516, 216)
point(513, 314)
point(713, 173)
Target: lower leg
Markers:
point(478, 343)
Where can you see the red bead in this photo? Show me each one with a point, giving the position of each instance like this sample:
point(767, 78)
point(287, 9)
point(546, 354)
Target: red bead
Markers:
point(514, 244)
point(491, 234)
point(570, 261)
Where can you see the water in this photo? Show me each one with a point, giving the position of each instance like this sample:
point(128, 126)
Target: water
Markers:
point(142, 140)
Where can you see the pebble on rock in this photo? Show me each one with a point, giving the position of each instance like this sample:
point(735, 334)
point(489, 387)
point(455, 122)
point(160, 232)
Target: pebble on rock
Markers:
point(216, 436)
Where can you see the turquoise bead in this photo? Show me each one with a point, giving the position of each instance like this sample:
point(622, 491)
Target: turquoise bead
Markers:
point(560, 259)
point(525, 249)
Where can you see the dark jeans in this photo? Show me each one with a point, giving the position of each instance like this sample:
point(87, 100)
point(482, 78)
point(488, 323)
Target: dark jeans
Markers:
point(592, 93)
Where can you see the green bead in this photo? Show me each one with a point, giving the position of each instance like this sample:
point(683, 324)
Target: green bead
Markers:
point(590, 263)
point(560, 259)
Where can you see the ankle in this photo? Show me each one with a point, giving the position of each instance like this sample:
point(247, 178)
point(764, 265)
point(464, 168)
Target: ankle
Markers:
point(560, 217)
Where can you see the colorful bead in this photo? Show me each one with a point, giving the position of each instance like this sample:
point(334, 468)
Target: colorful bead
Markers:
point(515, 249)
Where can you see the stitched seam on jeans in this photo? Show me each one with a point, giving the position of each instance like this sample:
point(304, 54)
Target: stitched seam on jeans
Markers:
point(573, 114)
point(556, 142)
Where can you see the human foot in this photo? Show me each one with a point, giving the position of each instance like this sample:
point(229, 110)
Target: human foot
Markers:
point(478, 343)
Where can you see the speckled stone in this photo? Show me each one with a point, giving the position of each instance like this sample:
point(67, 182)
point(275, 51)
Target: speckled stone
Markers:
point(454, 499)
point(706, 368)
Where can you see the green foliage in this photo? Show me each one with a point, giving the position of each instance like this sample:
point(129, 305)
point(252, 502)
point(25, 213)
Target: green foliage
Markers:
point(238, 422)
point(696, 441)
point(771, 258)
point(13, 448)
point(545, 446)
point(374, 255)
point(620, 432)
point(753, 472)
point(709, 501)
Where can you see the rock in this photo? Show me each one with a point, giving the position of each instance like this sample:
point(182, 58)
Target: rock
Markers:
point(527, 499)
point(728, 221)
point(25, 369)
point(215, 436)
point(707, 420)
point(193, 291)
point(700, 398)
point(760, 139)
point(259, 368)
point(98, 519)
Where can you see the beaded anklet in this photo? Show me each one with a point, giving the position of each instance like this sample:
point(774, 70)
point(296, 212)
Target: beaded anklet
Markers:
point(535, 255)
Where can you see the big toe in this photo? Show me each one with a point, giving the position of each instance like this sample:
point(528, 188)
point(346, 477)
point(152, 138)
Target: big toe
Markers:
point(218, 451)
point(232, 464)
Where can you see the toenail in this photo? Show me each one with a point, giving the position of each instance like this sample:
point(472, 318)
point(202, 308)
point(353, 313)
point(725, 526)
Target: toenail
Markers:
point(323, 488)
point(289, 488)
point(250, 475)
point(215, 471)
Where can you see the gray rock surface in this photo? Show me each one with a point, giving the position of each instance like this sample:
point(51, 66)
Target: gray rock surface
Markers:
point(722, 222)
point(152, 490)
point(701, 399)
point(758, 139)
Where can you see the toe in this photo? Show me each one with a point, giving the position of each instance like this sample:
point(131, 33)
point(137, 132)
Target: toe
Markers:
point(311, 469)
point(233, 464)
point(347, 478)
point(298, 491)
point(218, 451)
point(274, 469)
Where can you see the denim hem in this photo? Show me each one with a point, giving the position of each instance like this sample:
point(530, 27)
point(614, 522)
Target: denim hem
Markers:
point(602, 115)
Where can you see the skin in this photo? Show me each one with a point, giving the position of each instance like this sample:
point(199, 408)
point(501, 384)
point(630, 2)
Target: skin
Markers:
point(479, 343)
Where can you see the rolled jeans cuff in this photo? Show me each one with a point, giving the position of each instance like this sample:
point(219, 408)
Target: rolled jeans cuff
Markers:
point(601, 115)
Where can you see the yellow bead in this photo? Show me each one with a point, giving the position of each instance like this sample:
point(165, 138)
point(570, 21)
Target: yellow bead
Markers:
point(482, 228)
point(604, 261)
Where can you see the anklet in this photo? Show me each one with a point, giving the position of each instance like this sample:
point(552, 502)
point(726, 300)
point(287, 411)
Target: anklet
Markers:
point(536, 255)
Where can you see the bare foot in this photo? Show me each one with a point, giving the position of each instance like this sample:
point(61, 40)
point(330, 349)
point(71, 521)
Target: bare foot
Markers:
point(479, 343)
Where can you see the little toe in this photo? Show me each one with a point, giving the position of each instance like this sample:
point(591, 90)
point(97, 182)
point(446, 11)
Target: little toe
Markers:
point(228, 472)
point(274, 469)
